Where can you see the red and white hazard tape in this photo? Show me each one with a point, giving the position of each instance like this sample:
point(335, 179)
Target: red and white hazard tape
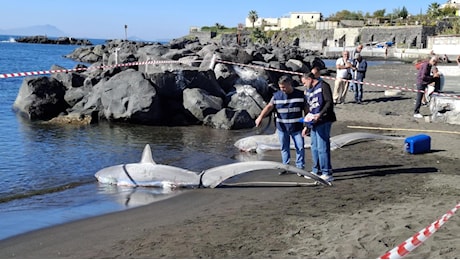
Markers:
point(43, 72)
point(413, 242)
point(257, 67)
point(35, 73)
point(331, 78)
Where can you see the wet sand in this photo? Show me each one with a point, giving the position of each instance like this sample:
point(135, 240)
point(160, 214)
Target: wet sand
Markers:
point(381, 197)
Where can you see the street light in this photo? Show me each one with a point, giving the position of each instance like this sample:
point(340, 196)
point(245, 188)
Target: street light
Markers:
point(116, 55)
point(126, 32)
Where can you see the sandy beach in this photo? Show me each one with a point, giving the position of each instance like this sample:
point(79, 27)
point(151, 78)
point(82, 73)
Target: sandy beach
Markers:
point(381, 197)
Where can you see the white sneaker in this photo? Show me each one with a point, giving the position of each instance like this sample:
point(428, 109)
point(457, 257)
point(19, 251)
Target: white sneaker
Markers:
point(327, 178)
point(418, 115)
point(315, 174)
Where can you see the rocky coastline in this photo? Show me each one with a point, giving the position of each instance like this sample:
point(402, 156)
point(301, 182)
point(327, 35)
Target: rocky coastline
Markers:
point(60, 40)
point(382, 195)
point(185, 82)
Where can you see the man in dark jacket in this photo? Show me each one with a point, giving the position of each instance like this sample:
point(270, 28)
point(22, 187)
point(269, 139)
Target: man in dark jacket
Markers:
point(359, 69)
point(321, 115)
point(424, 77)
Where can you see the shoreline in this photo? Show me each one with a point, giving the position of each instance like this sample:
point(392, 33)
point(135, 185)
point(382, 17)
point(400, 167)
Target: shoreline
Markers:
point(397, 198)
point(381, 197)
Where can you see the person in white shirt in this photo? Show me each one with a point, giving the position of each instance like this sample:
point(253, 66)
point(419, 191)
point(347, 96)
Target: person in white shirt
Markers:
point(343, 66)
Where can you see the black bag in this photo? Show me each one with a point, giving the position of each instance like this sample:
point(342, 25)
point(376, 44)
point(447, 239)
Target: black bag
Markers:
point(349, 76)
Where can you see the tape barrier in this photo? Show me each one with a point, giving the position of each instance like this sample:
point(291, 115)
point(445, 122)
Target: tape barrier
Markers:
point(397, 252)
point(416, 240)
point(331, 78)
point(35, 73)
point(44, 72)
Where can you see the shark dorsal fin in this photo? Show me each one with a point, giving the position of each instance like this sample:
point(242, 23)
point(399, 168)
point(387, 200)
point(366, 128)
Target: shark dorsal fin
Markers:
point(147, 155)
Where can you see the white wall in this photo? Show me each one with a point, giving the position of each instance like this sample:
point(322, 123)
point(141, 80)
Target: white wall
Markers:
point(293, 20)
point(441, 45)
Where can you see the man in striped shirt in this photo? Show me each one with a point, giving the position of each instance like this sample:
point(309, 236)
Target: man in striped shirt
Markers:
point(290, 106)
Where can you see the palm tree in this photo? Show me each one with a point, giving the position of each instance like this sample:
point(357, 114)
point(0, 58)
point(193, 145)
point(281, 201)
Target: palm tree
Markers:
point(403, 12)
point(253, 17)
point(433, 10)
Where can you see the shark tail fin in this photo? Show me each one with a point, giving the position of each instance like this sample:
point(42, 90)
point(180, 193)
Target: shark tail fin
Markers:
point(147, 155)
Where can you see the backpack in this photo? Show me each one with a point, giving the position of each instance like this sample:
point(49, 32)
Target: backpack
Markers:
point(418, 64)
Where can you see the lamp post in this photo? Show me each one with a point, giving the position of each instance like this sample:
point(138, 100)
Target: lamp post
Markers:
point(116, 55)
point(126, 32)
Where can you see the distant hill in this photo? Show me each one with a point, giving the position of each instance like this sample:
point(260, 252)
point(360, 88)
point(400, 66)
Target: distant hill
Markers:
point(137, 39)
point(48, 30)
point(53, 31)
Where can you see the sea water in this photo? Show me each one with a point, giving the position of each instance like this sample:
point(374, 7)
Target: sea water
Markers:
point(47, 172)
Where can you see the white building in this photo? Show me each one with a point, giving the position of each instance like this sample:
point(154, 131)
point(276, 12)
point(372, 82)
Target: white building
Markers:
point(453, 3)
point(294, 19)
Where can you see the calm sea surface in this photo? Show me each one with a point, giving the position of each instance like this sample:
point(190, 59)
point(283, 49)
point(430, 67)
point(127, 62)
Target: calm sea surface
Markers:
point(47, 172)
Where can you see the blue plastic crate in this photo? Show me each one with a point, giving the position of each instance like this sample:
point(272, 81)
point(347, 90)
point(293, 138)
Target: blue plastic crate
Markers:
point(418, 144)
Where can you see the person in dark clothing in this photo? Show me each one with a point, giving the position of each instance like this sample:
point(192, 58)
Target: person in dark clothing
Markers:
point(359, 70)
point(425, 77)
point(319, 119)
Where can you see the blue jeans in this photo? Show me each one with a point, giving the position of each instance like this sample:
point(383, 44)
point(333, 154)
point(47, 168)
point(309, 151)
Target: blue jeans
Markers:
point(285, 140)
point(352, 87)
point(321, 148)
point(418, 101)
point(359, 91)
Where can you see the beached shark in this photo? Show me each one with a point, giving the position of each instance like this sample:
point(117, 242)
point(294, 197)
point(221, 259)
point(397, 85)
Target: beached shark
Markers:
point(148, 173)
point(262, 143)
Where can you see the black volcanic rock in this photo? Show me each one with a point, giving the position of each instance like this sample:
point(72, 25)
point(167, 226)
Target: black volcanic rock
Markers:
point(45, 40)
point(185, 82)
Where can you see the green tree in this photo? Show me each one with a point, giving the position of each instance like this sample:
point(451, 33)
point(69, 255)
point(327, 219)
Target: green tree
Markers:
point(448, 10)
point(252, 16)
point(398, 15)
point(259, 36)
point(379, 13)
point(434, 10)
point(219, 26)
point(346, 15)
point(403, 13)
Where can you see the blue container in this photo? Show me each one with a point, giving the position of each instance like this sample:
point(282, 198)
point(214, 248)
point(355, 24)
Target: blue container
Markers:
point(418, 144)
point(309, 123)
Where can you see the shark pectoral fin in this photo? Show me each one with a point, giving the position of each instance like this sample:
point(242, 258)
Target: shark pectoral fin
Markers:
point(147, 155)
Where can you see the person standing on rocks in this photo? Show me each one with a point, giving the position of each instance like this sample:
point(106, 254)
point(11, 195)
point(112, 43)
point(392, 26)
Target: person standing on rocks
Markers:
point(319, 122)
point(343, 66)
point(425, 77)
point(290, 107)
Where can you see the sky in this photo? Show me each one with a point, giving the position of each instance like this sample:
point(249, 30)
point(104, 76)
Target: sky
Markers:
point(169, 19)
